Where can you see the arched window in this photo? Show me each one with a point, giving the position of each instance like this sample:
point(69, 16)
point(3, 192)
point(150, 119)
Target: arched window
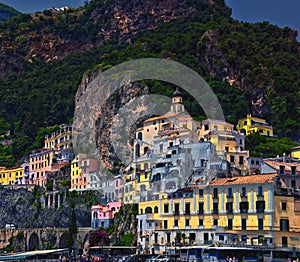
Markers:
point(95, 215)
point(155, 209)
point(148, 210)
point(146, 149)
point(140, 136)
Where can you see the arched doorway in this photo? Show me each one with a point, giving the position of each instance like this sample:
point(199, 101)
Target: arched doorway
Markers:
point(33, 242)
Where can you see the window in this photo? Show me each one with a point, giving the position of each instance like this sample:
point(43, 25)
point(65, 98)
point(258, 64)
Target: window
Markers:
point(192, 236)
point(231, 159)
point(229, 207)
point(284, 241)
point(187, 208)
point(244, 192)
point(284, 225)
point(175, 222)
point(283, 205)
point(260, 224)
point(229, 224)
point(187, 222)
point(215, 222)
point(241, 160)
point(229, 192)
point(156, 210)
point(155, 238)
point(244, 206)
point(293, 170)
point(293, 184)
point(244, 238)
point(168, 237)
point(215, 193)
point(281, 170)
point(201, 192)
point(165, 224)
point(244, 224)
point(260, 206)
point(260, 191)
point(201, 208)
point(176, 211)
point(200, 222)
point(215, 208)
point(166, 208)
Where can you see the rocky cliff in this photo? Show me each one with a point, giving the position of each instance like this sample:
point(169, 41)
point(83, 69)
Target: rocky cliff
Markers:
point(24, 209)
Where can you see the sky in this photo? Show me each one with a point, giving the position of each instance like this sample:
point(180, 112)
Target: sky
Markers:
point(279, 12)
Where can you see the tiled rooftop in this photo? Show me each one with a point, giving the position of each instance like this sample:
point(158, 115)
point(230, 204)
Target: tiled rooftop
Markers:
point(243, 180)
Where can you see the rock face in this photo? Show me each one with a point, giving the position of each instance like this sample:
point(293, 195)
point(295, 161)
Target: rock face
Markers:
point(23, 208)
point(107, 113)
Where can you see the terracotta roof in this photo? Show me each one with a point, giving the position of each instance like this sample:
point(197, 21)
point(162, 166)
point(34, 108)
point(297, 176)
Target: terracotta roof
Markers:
point(242, 180)
point(296, 148)
point(276, 165)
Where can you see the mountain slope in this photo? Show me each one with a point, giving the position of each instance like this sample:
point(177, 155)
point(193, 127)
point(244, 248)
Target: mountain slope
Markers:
point(253, 68)
point(7, 12)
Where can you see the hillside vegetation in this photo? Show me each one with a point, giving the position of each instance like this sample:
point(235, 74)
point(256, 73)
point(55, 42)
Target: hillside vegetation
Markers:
point(253, 68)
point(7, 12)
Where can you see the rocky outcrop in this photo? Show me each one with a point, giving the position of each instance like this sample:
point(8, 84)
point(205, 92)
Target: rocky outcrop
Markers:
point(23, 208)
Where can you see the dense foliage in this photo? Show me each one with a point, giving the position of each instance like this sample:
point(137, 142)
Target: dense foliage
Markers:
point(262, 55)
point(263, 146)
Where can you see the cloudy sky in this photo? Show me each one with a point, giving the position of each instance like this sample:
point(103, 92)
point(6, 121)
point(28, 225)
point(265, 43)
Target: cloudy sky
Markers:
point(280, 12)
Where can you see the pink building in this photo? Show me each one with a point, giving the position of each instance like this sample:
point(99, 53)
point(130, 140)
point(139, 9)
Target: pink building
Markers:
point(102, 216)
point(118, 187)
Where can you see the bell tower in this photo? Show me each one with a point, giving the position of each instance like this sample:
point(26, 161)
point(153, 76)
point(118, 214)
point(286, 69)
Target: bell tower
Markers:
point(177, 105)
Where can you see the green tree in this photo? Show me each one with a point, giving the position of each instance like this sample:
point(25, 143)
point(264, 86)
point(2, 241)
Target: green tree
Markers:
point(72, 231)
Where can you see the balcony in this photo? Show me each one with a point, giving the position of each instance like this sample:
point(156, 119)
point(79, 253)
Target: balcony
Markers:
point(229, 211)
point(260, 211)
point(244, 211)
point(215, 212)
point(201, 212)
point(187, 213)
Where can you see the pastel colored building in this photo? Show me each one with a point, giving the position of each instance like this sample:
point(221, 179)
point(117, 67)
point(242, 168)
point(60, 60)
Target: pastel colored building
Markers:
point(245, 210)
point(11, 176)
point(252, 124)
point(102, 216)
point(222, 135)
point(288, 169)
point(40, 163)
point(61, 142)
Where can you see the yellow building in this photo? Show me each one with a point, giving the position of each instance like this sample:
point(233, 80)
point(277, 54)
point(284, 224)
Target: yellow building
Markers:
point(222, 135)
point(10, 176)
point(295, 152)
point(252, 124)
point(286, 221)
point(76, 174)
point(246, 210)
